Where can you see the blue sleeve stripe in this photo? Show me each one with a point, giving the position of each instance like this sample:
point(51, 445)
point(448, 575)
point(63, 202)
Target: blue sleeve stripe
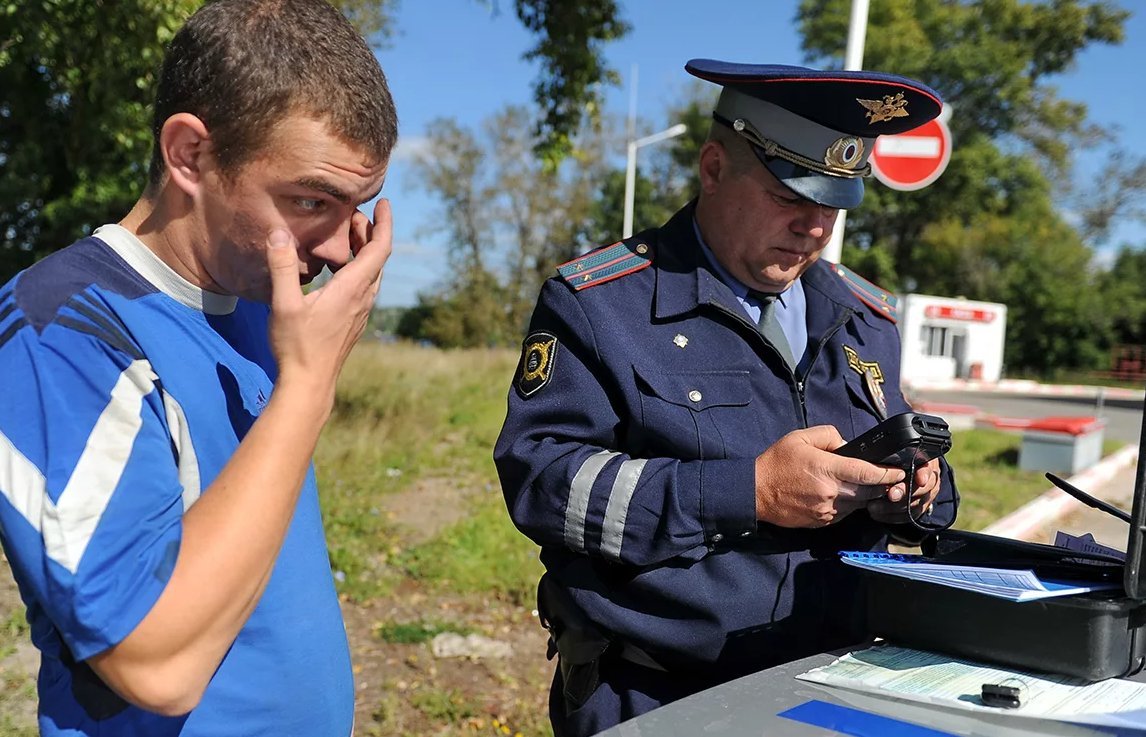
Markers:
point(7, 310)
point(613, 528)
point(11, 330)
point(577, 508)
point(99, 333)
point(70, 523)
point(114, 331)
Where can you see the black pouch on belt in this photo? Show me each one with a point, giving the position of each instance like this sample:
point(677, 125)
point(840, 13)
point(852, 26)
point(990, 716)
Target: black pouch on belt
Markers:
point(576, 639)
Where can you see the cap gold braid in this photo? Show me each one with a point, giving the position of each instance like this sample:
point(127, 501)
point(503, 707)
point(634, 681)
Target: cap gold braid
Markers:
point(771, 148)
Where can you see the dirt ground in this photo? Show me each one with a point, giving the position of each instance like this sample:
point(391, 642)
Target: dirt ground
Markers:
point(402, 689)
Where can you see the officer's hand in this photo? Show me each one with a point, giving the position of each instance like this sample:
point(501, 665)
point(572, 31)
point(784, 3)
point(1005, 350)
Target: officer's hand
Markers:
point(312, 334)
point(891, 509)
point(801, 483)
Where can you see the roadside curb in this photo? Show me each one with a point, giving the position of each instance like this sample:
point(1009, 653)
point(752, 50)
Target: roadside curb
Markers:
point(1026, 521)
point(1025, 387)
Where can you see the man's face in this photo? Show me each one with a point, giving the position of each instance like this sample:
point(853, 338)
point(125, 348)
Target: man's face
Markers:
point(762, 232)
point(306, 180)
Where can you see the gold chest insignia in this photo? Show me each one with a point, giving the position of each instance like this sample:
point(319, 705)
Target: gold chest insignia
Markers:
point(889, 107)
point(872, 380)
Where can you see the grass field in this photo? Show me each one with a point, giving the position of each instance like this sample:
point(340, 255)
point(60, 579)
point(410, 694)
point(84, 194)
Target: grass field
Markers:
point(421, 545)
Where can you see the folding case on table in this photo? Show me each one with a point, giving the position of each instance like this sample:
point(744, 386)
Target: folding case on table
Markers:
point(1092, 636)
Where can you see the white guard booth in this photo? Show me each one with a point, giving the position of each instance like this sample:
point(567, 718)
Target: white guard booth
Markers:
point(945, 338)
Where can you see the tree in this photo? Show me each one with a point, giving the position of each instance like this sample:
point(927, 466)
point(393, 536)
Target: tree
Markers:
point(77, 79)
point(74, 128)
point(667, 176)
point(992, 61)
point(509, 219)
point(1124, 285)
point(570, 38)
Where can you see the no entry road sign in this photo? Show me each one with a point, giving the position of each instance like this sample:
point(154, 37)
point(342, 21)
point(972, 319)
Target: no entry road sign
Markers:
point(913, 160)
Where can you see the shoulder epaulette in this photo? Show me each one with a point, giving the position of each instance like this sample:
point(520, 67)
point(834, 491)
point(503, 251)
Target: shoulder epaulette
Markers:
point(606, 264)
point(882, 302)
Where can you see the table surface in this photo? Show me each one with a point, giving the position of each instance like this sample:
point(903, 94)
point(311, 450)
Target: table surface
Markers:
point(750, 707)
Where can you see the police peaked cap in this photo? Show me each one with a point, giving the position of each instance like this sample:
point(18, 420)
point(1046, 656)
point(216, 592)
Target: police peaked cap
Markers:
point(815, 130)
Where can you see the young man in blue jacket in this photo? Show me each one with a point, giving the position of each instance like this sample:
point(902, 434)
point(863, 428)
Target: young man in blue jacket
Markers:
point(165, 383)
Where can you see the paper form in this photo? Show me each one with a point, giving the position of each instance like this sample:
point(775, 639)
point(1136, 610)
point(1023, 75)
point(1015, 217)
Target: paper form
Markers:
point(916, 675)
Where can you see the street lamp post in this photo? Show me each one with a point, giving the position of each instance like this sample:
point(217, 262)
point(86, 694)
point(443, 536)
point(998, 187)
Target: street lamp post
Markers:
point(853, 60)
point(631, 170)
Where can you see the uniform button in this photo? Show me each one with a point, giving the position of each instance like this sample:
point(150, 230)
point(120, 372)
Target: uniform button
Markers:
point(695, 396)
point(642, 249)
point(717, 537)
point(746, 533)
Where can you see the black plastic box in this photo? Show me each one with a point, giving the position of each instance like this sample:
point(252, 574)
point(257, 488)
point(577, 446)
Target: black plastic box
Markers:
point(1090, 636)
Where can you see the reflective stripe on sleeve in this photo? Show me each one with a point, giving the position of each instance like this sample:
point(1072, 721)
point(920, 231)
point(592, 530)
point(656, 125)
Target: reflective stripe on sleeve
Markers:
point(613, 530)
point(579, 490)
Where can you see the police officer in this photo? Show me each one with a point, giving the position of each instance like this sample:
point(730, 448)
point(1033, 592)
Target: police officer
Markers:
point(670, 425)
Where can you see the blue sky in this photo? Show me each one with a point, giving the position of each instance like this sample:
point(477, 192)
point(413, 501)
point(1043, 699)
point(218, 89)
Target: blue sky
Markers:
point(459, 58)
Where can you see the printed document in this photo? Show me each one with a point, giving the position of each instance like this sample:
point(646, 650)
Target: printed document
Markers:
point(1004, 583)
point(916, 675)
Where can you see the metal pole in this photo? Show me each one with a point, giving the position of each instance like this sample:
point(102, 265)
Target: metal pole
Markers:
point(853, 60)
point(631, 164)
point(630, 186)
point(631, 170)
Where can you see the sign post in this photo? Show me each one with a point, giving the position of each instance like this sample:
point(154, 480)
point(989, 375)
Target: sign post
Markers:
point(914, 159)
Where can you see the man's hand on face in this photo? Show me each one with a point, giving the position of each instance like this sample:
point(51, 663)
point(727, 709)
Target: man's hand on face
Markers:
point(312, 334)
point(801, 483)
point(891, 508)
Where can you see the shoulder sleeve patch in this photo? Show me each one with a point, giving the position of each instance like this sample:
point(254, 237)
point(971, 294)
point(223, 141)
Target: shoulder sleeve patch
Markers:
point(605, 264)
point(538, 356)
point(882, 302)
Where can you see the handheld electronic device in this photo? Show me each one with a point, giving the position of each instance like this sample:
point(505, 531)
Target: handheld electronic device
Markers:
point(900, 439)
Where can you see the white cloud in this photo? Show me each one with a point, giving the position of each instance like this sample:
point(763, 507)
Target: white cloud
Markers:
point(409, 147)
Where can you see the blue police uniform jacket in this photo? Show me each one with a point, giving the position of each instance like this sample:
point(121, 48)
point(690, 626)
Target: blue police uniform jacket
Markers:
point(628, 454)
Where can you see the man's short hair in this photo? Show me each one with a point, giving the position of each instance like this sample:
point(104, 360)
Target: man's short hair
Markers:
point(737, 150)
point(241, 66)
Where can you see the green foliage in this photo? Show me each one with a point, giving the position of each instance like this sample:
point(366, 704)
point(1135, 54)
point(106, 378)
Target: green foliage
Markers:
point(476, 313)
point(571, 35)
point(666, 177)
point(651, 206)
point(482, 554)
point(374, 19)
point(403, 416)
point(413, 633)
point(987, 474)
point(988, 228)
point(76, 80)
point(1124, 285)
point(498, 205)
point(446, 706)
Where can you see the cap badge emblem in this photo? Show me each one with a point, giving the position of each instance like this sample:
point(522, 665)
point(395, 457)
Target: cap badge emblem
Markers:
point(845, 153)
point(889, 107)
